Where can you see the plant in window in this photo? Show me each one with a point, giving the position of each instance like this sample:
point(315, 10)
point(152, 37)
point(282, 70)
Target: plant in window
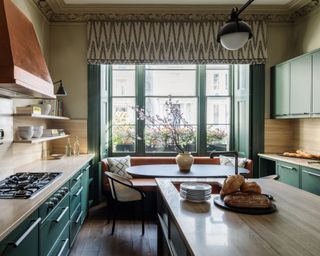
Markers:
point(122, 132)
point(171, 128)
point(215, 135)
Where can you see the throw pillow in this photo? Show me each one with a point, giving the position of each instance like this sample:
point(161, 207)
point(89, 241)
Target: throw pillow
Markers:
point(229, 161)
point(118, 165)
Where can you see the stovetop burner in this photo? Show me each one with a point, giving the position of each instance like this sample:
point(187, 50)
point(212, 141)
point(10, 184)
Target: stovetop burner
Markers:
point(25, 184)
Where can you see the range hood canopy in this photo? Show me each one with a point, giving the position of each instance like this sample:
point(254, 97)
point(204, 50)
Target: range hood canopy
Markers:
point(23, 69)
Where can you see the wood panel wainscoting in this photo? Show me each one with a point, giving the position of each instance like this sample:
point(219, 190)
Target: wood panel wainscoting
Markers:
point(75, 127)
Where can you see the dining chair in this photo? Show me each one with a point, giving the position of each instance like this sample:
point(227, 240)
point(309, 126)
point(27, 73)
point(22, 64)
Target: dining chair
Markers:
point(123, 191)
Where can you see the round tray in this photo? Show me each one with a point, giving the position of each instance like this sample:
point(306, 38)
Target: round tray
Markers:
point(254, 211)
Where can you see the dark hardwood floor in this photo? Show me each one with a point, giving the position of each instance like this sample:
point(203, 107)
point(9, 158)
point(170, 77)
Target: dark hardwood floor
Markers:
point(94, 237)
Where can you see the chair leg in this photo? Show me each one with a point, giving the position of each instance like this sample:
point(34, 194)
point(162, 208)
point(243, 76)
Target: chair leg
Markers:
point(142, 215)
point(114, 208)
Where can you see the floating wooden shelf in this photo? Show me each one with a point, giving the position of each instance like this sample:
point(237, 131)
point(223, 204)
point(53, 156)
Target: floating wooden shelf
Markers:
point(42, 139)
point(43, 116)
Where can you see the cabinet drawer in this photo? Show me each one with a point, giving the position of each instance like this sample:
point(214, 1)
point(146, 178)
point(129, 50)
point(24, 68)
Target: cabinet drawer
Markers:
point(75, 224)
point(52, 227)
point(75, 197)
point(23, 239)
point(310, 180)
point(75, 179)
point(289, 173)
point(61, 246)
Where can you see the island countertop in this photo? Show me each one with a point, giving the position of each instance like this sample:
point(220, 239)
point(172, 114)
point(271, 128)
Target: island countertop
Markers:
point(294, 229)
point(15, 211)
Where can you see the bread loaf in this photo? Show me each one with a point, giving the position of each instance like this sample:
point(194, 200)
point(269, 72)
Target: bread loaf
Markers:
point(247, 200)
point(250, 187)
point(231, 184)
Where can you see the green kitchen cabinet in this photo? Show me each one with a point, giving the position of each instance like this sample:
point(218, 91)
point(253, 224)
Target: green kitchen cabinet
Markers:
point(310, 180)
point(85, 193)
point(288, 173)
point(301, 86)
point(24, 239)
point(281, 90)
point(316, 84)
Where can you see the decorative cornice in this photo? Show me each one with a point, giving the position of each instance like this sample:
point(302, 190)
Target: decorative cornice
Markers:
point(183, 14)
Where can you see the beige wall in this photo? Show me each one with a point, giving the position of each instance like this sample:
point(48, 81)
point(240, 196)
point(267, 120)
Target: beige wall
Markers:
point(40, 23)
point(68, 61)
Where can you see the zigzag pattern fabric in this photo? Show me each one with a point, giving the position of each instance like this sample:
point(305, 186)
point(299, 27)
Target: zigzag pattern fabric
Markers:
point(195, 42)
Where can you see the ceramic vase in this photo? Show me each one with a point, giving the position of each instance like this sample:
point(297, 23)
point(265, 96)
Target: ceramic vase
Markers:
point(184, 161)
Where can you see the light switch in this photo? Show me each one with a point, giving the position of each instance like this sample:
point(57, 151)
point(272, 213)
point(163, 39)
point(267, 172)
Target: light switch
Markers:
point(1, 136)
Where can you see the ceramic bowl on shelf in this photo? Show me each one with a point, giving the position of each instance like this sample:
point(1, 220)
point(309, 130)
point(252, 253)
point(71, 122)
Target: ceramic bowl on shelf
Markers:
point(25, 132)
point(37, 131)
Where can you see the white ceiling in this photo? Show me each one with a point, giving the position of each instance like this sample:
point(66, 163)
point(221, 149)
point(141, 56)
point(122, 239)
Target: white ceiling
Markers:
point(181, 2)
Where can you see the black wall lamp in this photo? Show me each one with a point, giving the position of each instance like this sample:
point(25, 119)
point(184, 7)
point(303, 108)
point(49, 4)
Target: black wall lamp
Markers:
point(235, 32)
point(61, 91)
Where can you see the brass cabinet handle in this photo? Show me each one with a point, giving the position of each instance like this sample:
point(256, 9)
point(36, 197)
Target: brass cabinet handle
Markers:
point(63, 246)
point(25, 234)
point(79, 177)
point(61, 215)
point(311, 173)
point(79, 217)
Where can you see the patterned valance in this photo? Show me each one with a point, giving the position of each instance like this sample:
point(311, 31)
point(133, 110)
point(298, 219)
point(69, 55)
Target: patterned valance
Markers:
point(143, 42)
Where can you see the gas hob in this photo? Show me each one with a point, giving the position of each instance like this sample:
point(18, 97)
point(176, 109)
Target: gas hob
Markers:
point(25, 184)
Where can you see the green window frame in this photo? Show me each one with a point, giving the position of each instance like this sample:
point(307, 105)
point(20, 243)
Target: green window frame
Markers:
point(140, 100)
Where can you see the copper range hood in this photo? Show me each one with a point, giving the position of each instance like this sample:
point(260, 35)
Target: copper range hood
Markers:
point(23, 70)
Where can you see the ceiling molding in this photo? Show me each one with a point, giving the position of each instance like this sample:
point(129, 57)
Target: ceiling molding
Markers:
point(59, 11)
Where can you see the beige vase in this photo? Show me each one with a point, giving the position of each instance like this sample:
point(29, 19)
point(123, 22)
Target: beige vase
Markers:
point(184, 161)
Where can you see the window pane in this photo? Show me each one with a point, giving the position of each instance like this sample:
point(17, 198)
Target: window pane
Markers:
point(218, 110)
point(121, 67)
point(123, 83)
point(177, 82)
point(218, 137)
point(157, 139)
point(123, 111)
point(123, 138)
point(217, 82)
point(188, 107)
point(171, 66)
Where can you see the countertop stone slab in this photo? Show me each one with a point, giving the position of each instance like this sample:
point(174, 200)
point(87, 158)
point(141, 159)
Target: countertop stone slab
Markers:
point(294, 229)
point(15, 211)
point(293, 160)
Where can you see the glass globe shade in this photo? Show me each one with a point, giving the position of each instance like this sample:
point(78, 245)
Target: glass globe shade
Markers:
point(234, 41)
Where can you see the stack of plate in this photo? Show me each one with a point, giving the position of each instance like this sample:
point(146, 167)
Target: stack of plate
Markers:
point(195, 192)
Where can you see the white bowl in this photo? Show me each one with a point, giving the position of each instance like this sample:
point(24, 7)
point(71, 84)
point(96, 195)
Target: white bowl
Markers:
point(37, 131)
point(45, 108)
point(25, 132)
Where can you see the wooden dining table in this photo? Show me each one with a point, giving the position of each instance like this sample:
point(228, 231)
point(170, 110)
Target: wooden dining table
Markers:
point(172, 171)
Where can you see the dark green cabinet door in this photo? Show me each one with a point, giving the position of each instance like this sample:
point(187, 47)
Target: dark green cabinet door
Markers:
point(289, 173)
point(24, 239)
point(310, 180)
point(85, 193)
point(301, 85)
point(316, 83)
point(282, 90)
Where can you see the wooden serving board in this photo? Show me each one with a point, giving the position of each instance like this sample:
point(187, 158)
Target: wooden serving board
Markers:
point(253, 211)
point(313, 158)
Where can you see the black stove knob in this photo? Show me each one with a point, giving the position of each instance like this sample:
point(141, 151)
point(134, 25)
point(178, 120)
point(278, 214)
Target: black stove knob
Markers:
point(65, 189)
point(50, 204)
point(61, 192)
point(55, 200)
point(58, 195)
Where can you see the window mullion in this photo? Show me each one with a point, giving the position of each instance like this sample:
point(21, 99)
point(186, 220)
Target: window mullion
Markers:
point(140, 101)
point(202, 129)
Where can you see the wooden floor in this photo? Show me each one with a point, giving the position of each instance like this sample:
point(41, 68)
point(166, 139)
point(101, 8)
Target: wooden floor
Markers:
point(94, 238)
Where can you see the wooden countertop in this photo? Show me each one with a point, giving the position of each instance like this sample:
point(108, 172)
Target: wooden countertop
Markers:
point(15, 211)
point(293, 160)
point(293, 230)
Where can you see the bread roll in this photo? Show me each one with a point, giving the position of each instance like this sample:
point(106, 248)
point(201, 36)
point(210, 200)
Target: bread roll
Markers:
point(247, 200)
point(250, 187)
point(231, 184)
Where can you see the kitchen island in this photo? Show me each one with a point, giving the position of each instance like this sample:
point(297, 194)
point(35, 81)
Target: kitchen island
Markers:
point(14, 212)
point(204, 229)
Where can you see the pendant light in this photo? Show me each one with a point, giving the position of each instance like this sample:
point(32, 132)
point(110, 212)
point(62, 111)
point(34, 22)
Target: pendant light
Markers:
point(235, 32)
point(61, 91)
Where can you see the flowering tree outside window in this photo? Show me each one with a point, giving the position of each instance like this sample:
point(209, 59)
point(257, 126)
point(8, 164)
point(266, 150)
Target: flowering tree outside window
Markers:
point(170, 129)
